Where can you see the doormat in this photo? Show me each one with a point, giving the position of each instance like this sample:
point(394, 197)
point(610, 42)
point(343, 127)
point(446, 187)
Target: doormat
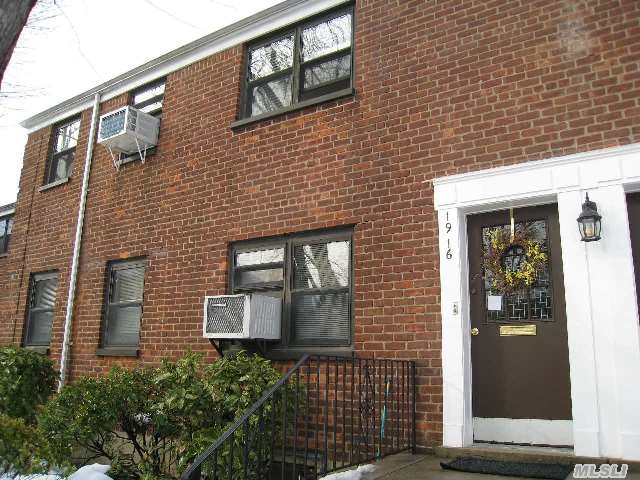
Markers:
point(551, 471)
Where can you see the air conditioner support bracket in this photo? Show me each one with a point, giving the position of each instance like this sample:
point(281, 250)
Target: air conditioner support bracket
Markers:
point(217, 346)
point(116, 160)
point(143, 157)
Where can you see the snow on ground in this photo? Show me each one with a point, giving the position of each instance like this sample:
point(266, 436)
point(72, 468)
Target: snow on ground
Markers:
point(361, 473)
point(90, 472)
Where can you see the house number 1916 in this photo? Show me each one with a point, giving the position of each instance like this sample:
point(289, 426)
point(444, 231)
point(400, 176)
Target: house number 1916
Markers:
point(447, 227)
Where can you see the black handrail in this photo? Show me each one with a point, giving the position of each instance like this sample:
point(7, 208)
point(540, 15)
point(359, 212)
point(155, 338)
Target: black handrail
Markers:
point(324, 414)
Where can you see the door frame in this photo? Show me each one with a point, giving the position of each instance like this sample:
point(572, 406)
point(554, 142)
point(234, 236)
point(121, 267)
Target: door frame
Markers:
point(604, 387)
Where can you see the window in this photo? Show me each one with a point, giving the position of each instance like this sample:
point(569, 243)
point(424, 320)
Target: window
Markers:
point(63, 149)
point(42, 300)
point(123, 309)
point(149, 98)
point(312, 275)
point(6, 225)
point(311, 60)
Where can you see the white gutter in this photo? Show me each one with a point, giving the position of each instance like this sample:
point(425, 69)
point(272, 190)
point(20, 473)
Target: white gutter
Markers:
point(278, 16)
point(66, 343)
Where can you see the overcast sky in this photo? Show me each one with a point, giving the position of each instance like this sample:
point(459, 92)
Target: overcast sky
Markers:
point(76, 44)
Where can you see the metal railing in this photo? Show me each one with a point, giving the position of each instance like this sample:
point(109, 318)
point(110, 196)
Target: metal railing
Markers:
point(324, 414)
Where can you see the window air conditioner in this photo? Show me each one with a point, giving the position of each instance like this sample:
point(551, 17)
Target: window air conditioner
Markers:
point(250, 316)
point(128, 130)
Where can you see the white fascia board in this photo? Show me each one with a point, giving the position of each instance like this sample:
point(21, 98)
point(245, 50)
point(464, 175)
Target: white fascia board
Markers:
point(255, 26)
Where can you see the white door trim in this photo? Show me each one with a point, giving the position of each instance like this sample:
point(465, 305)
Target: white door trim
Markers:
point(604, 340)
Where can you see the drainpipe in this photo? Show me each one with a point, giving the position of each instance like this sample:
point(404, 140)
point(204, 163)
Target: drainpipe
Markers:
point(66, 343)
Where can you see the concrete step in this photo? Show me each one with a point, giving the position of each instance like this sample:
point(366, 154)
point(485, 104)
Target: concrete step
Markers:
point(527, 454)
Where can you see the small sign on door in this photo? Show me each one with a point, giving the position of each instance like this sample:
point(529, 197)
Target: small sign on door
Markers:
point(494, 303)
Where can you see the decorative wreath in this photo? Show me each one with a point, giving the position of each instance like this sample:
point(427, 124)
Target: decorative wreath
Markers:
point(514, 263)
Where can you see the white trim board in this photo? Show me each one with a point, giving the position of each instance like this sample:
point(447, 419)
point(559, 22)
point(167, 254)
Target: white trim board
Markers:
point(255, 26)
point(524, 431)
point(602, 310)
point(541, 178)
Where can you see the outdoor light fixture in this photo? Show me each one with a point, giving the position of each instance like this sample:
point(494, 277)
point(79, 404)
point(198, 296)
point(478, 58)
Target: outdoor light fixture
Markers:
point(589, 221)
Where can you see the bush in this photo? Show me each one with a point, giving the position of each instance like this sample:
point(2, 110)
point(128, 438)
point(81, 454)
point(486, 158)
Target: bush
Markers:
point(27, 380)
point(152, 423)
point(21, 447)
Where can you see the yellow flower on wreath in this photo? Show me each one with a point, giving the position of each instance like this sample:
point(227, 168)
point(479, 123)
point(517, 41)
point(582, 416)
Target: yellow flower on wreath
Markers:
point(506, 280)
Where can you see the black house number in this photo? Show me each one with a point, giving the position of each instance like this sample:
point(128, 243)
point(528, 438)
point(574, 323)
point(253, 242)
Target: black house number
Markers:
point(447, 227)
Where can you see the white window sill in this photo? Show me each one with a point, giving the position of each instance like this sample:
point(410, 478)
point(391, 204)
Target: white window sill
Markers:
point(51, 185)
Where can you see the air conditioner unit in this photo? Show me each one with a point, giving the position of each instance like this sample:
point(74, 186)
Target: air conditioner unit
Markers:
point(250, 316)
point(128, 130)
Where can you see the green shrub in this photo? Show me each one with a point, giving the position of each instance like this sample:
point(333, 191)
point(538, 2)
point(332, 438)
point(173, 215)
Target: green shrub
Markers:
point(152, 423)
point(21, 447)
point(27, 380)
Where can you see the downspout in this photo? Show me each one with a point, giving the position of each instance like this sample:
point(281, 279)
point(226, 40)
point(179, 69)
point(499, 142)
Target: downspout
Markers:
point(66, 343)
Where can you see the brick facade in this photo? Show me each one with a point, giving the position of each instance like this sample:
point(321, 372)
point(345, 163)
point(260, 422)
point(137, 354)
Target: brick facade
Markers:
point(442, 87)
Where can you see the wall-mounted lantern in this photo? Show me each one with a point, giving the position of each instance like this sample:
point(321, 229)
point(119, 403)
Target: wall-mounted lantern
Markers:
point(590, 221)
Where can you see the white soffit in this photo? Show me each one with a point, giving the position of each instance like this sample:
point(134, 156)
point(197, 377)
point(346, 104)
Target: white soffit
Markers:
point(255, 26)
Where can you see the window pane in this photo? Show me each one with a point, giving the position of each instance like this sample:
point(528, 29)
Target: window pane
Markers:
point(128, 285)
point(152, 107)
point(271, 58)
point(533, 303)
point(321, 318)
point(147, 94)
point(330, 71)
point(39, 329)
point(259, 257)
point(248, 277)
point(4, 241)
point(67, 136)
point(326, 37)
point(123, 326)
point(271, 96)
point(62, 166)
point(44, 295)
point(9, 226)
point(324, 265)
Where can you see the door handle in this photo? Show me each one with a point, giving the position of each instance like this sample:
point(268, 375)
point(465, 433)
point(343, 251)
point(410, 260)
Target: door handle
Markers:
point(475, 332)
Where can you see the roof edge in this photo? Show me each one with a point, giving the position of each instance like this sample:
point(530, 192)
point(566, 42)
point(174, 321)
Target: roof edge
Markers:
point(254, 26)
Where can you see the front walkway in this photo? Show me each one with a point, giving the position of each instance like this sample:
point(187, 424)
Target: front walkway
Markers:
point(422, 467)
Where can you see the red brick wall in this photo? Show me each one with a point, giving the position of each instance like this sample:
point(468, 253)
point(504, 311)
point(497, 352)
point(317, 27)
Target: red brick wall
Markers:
point(443, 87)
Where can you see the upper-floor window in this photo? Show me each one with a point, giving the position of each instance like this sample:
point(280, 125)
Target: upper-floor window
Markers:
point(63, 149)
point(149, 98)
point(311, 273)
point(123, 307)
point(6, 225)
point(42, 300)
point(308, 61)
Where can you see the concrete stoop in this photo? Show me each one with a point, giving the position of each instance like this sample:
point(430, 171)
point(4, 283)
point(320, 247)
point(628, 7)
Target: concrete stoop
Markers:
point(528, 454)
point(405, 466)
